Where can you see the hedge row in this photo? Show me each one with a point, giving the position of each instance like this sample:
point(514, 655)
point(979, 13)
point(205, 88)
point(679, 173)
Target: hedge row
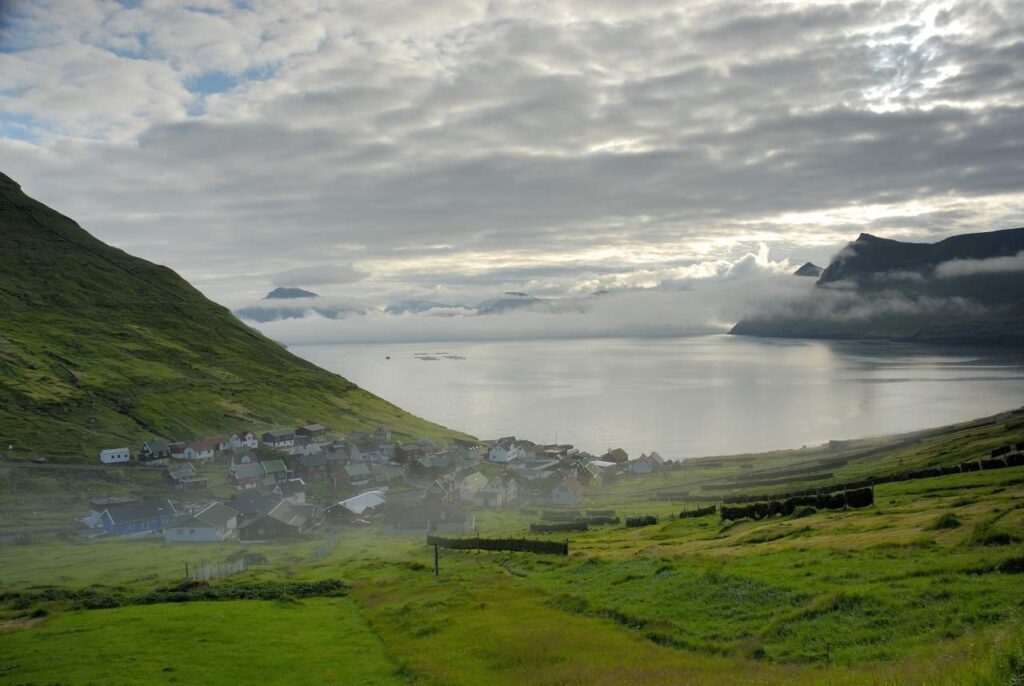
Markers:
point(600, 513)
point(598, 520)
point(560, 515)
point(699, 512)
point(1010, 460)
point(645, 520)
point(515, 545)
point(861, 497)
point(558, 526)
point(187, 591)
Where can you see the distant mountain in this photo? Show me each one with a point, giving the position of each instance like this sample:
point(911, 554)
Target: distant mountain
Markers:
point(510, 301)
point(809, 269)
point(100, 349)
point(870, 256)
point(287, 293)
point(965, 289)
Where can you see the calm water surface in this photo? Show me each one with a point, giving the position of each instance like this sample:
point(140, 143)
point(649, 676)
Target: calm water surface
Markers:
point(701, 395)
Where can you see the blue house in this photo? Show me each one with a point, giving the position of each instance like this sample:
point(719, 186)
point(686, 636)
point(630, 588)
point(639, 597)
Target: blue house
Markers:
point(148, 516)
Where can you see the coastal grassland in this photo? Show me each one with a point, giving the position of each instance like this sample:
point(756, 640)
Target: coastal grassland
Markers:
point(872, 596)
point(317, 640)
point(804, 468)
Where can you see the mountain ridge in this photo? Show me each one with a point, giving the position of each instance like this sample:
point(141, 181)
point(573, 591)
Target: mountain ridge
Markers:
point(952, 291)
point(101, 348)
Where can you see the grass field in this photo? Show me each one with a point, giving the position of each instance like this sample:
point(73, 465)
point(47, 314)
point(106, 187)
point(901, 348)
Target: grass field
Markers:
point(924, 587)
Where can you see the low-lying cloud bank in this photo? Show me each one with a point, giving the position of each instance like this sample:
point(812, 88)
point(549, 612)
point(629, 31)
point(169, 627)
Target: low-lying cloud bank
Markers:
point(666, 300)
point(706, 308)
point(994, 265)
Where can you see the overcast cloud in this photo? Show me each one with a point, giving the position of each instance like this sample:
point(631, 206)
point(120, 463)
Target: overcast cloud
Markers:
point(453, 150)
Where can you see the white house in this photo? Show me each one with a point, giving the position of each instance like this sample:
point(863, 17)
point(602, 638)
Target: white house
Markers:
point(469, 486)
point(568, 492)
point(498, 492)
point(115, 455)
point(216, 522)
point(505, 453)
point(243, 440)
point(364, 503)
point(645, 464)
point(200, 450)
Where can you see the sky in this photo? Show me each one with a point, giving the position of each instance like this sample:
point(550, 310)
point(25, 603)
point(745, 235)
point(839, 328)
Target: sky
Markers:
point(451, 150)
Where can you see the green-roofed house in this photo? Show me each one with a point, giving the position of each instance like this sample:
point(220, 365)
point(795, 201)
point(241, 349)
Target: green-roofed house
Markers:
point(246, 474)
point(357, 474)
point(274, 472)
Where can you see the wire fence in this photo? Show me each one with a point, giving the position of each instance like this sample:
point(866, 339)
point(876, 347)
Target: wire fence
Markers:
point(325, 548)
point(205, 570)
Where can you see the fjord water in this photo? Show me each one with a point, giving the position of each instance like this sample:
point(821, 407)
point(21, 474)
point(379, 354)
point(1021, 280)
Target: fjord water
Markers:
point(684, 397)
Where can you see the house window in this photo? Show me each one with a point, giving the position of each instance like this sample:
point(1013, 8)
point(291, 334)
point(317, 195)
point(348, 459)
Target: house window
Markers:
point(191, 532)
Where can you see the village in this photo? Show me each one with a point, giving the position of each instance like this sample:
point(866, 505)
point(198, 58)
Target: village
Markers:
point(292, 483)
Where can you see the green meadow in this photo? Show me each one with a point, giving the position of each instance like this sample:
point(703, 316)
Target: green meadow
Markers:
point(923, 587)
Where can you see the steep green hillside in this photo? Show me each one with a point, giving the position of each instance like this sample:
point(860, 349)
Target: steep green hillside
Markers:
point(99, 348)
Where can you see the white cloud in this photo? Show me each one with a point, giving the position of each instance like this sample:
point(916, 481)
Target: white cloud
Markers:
point(601, 144)
point(994, 265)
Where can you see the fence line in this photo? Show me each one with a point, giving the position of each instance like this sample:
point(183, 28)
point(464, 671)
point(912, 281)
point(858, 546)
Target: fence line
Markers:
point(205, 570)
point(324, 549)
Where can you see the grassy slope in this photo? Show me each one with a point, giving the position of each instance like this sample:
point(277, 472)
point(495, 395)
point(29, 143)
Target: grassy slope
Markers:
point(204, 643)
point(873, 596)
point(99, 348)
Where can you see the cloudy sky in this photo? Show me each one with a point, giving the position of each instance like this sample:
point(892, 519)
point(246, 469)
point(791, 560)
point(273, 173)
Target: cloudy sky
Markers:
point(451, 150)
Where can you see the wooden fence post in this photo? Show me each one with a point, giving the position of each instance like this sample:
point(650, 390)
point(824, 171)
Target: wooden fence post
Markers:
point(437, 562)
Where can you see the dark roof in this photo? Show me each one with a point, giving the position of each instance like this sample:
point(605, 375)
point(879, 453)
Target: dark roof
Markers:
point(181, 472)
point(314, 460)
point(156, 446)
point(101, 504)
point(216, 515)
point(292, 515)
point(280, 433)
point(250, 502)
point(291, 487)
point(140, 511)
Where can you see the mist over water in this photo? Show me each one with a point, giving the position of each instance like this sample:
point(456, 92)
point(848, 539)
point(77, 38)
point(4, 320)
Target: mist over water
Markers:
point(684, 397)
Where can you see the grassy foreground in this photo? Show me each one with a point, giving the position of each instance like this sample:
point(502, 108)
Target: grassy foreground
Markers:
point(924, 587)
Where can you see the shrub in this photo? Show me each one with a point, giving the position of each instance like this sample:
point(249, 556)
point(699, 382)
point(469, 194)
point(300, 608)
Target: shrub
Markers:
point(699, 512)
point(515, 545)
point(645, 520)
point(993, 463)
point(805, 512)
point(595, 521)
point(861, 497)
point(946, 521)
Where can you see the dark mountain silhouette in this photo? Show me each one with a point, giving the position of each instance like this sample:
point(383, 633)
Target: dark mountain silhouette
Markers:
point(965, 289)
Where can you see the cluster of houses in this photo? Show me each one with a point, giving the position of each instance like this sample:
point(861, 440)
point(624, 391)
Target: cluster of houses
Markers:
point(408, 487)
